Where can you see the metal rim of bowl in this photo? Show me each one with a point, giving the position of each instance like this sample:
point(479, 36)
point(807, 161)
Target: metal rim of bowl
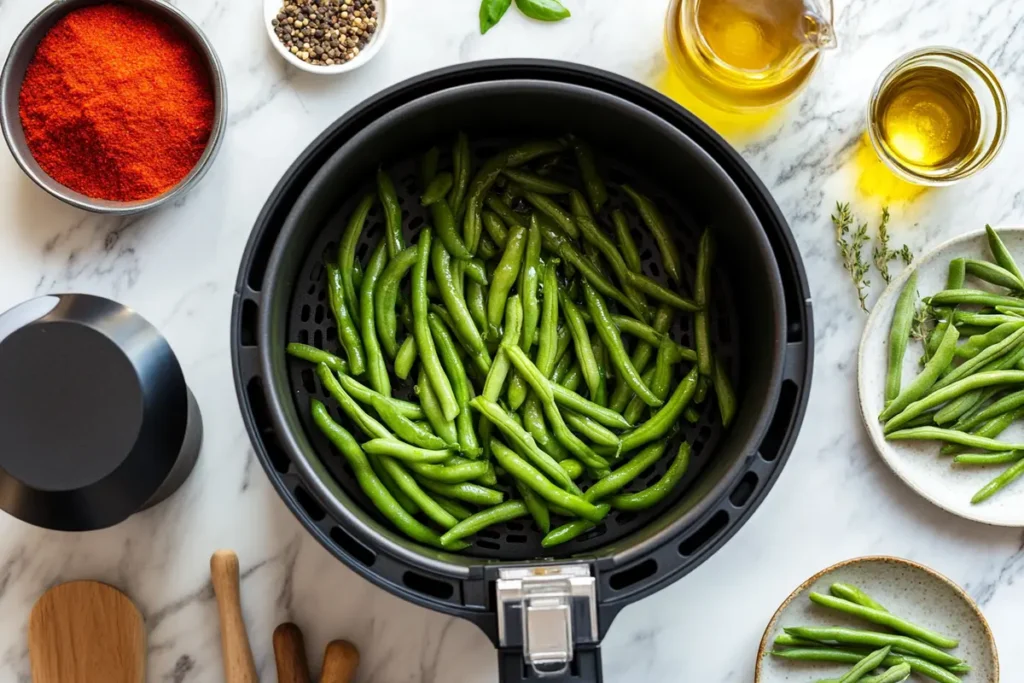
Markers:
point(372, 47)
point(23, 156)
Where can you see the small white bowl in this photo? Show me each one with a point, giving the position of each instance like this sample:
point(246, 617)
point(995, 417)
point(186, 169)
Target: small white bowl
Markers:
point(271, 8)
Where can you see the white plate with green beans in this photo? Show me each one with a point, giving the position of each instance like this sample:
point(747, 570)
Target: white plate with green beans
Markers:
point(886, 618)
point(946, 413)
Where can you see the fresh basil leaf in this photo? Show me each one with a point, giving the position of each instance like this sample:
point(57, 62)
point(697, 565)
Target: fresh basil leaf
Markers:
point(543, 10)
point(491, 12)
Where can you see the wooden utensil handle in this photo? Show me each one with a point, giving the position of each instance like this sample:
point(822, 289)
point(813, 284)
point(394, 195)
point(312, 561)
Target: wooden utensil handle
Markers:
point(239, 666)
point(341, 659)
point(290, 655)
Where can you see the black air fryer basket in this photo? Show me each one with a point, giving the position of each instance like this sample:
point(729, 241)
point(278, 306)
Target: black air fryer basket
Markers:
point(546, 610)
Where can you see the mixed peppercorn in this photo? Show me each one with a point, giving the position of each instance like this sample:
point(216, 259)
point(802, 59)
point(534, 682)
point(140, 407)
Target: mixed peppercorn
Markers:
point(326, 32)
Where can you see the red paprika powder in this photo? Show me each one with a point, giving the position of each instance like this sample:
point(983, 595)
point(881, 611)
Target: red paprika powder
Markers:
point(116, 104)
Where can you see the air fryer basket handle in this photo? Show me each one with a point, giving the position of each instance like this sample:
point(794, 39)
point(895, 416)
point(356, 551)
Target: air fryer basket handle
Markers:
point(585, 668)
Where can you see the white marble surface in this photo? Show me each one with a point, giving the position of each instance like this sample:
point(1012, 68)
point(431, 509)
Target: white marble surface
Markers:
point(177, 266)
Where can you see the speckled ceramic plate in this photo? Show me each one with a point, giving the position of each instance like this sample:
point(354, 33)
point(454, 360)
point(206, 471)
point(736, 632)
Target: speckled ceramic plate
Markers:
point(917, 462)
point(905, 588)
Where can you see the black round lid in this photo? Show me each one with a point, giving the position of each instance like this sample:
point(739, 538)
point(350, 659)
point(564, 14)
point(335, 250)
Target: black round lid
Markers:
point(93, 409)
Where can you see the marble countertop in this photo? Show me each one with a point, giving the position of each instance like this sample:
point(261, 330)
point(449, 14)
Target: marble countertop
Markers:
point(177, 266)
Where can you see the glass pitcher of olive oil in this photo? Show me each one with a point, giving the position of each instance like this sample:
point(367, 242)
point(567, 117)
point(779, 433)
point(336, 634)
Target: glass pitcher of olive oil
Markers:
point(747, 54)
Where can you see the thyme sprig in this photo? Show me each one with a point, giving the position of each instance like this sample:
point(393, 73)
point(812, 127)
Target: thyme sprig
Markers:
point(882, 254)
point(850, 245)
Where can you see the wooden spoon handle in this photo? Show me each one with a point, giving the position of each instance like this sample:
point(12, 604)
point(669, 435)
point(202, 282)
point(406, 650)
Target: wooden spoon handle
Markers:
point(239, 666)
point(341, 659)
point(290, 654)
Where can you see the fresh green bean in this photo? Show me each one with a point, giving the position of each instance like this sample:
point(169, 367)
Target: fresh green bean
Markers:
point(979, 343)
point(365, 395)
point(646, 333)
point(622, 476)
point(894, 674)
point(504, 512)
point(389, 483)
point(1004, 458)
point(456, 372)
point(958, 388)
point(500, 366)
point(568, 531)
point(665, 419)
point(594, 186)
point(392, 213)
point(529, 280)
point(656, 224)
point(477, 303)
point(1016, 311)
point(978, 297)
point(957, 407)
point(453, 507)
point(659, 491)
point(437, 189)
point(591, 429)
point(848, 591)
point(368, 481)
point(837, 634)
point(702, 294)
point(466, 491)
point(954, 280)
point(488, 250)
point(406, 356)
point(1003, 405)
point(558, 244)
point(421, 330)
point(581, 339)
point(572, 467)
point(918, 388)
point(864, 666)
point(999, 483)
point(495, 228)
point(428, 165)
point(455, 302)
point(533, 421)
point(536, 506)
point(407, 430)
point(397, 449)
point(884, 618)
point(571, 382)
point(441, 425)
point(550, 208)
point(376, 368)
point(524, 472)
point(828, 654)
point(636, 407)
point(597, 237)
point(366, 423)
point(990, 429)
point(1003, 256)
point(624, 235)
point(899, 335)
point(724, 393)
point(951, 436)
point(348, 332)
point(463, 470)
point(974, 364)
point(505, 277)
point(968, 319)
point(545, 393)
point(317, 356)
point(990, 272)
point(642, 355)
point(506, 214)
point(663, 294)
point(411, 488)
point(535, 183)
point(347, 250)
point(444, 223)
point(565, 396)
point(386, 298)
point(609, 336)
point(462, 162)
point(523, 442)
point(476, 271)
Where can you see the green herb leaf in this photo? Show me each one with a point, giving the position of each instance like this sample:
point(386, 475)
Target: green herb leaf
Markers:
point(850, 245)
point(543, 10)
point(491, 12)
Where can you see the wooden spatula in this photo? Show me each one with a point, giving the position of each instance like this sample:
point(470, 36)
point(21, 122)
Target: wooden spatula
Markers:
point(341, 659)
point(86, 632)
point(290, 654)
point(239, 666)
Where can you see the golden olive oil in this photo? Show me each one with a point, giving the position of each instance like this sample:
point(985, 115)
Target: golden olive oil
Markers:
point(741, 54)
point(930, 120)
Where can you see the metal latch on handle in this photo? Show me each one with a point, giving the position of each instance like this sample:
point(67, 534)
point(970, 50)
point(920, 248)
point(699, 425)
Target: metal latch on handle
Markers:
point(547, 611)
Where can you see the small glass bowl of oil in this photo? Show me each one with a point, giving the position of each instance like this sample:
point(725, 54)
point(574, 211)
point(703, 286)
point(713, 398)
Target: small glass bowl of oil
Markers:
point(937, 115)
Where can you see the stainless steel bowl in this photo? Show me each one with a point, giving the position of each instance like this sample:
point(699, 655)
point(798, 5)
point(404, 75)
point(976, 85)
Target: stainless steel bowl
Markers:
point(21, 54)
